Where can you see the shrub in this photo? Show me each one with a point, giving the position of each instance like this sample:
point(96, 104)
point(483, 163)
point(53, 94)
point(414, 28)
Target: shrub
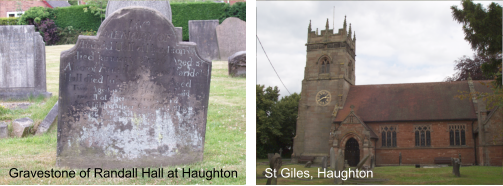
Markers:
point(49, 31)
point(236, 10)
point(36, 15)
point(76, 17)
point(9, 20)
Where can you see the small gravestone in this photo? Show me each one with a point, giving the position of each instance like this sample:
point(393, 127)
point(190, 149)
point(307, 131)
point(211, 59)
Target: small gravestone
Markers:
point(237, 64)
point(455, 167)
point(360, 164)
point(400, 158)
point(332, 158)
point(346, 165)
point(132, 96)
point(275, 163)
point(48, 120)
point(459, 156)
point(339, 166)
point(203, 33)
point(4, 131)
point(22, 63)
point(231, 37)
point(372, 162)
point(324, 162)
point(21, 127)
point(308, 164)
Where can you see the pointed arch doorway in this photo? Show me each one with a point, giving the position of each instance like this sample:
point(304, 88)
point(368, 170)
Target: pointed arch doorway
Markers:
point(352, 152)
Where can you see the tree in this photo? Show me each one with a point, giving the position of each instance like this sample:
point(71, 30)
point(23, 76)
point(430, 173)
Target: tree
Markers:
point(289, 108)
point(466, 67)
point(97, 7)
point(482, 28)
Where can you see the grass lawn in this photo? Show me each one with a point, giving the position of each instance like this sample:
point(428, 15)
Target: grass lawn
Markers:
point(225, 145)
point(398, 175)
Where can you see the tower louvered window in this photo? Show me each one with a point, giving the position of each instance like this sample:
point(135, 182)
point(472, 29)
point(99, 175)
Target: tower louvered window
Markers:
point(325, 65)
point(422, 135)
point(457, 135)
point(388, 136)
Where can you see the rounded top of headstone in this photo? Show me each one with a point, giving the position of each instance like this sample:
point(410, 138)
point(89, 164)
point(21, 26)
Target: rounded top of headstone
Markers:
point(232, 19)
point(161, 6)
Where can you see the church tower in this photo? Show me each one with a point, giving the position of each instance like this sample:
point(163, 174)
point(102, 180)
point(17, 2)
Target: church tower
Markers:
point(328, 75)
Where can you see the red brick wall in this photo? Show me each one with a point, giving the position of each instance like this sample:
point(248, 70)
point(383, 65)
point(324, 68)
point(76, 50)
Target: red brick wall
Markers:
point(11, 6)
point(411, 154)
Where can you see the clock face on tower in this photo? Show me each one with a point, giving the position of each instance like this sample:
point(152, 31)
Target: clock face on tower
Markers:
point(323, 97)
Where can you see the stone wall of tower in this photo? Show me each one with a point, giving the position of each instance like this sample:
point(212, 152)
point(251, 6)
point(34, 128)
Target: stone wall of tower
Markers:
point(315, 120)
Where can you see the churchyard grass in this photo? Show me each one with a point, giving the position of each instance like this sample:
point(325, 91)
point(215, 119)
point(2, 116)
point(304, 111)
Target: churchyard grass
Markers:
point(225, 143)
point(398, 175)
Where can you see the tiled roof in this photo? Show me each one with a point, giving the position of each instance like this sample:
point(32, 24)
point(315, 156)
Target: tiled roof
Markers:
point(411, 102)
point(55, 4)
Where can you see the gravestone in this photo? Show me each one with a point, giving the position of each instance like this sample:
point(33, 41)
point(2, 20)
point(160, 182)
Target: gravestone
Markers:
point(22, 63)
point(308, 164)
point(4, 131)
point(372, 162)
point(132, 96)
point(237, 64)
point(203, 33)
point(400, 158)
point(162, 6)
point(455, 167)
point(231, 36)
point(459, 156)
point(21, 127)
point(324, 162)
point(339, 166)
point(275, 163)
point(360, 164)
point(48, 120)
point(332, 158)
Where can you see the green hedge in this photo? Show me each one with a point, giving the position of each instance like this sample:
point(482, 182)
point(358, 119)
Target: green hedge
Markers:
point(183, 12)
point(9, 20)
point(236, 10)
point(76, 17)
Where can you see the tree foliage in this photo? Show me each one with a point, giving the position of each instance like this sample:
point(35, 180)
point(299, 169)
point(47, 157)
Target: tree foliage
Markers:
point(97, 7)
point(466, 67)
point(482, 28)
point(276, 121)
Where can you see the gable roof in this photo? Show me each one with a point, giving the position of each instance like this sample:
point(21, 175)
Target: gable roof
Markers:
point(372, 134)
point(55, 4)
point(410, 102)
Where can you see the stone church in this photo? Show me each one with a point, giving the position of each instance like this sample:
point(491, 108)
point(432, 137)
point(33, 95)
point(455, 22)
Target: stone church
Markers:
point(419, 121)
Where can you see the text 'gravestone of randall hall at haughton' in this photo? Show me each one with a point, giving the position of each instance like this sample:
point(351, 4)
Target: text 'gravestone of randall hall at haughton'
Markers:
point(132, 96)
point(22, 63)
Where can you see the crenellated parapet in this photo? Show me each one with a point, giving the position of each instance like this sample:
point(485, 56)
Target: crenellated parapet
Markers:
point(327, 39)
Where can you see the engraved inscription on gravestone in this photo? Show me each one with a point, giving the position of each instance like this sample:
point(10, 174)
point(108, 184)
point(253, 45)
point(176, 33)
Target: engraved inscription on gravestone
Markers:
point(132, 96)
point(22, 62)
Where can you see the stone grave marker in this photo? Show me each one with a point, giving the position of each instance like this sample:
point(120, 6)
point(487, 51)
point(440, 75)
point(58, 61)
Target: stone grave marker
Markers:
point(21, 127)
point(275, 163)
point(4, 131)
point(455, 167)
point(237, 64)
point(162, 6)
point(339, 166)
point(22, 63)
point(400, 158)
point(48, 120)
point(324, 162)
point(332, 158)
point(132, 96)
point(360, 164)
point(203, 33)
point(231, 36)
point(308, 164)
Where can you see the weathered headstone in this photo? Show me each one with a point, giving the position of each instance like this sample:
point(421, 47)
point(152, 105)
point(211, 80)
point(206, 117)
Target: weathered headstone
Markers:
point(459, 155)
point(48, 120)
point(22, 63)
point(162, 6)
point(132, 96)
point(231, 36)
point(275, 163)
point(372, 162)
point(21, 127)
point(237, 64)
point(4, 131)
point(203, 33)
point(339, 166)
point(332, 158)
point(324, 162)
point(455, 167)
point(360, 164)
point(308, 164)
point(400, 158)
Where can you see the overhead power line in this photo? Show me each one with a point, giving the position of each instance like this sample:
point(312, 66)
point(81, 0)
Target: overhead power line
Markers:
point(272, 65)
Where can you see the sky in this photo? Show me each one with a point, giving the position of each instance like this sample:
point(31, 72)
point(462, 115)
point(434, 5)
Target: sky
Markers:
point(396, 42)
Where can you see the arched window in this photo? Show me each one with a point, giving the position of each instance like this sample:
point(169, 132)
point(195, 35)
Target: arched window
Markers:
point(325, 65)
point(457, 135)
point(423, 135)
point(388, 136)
